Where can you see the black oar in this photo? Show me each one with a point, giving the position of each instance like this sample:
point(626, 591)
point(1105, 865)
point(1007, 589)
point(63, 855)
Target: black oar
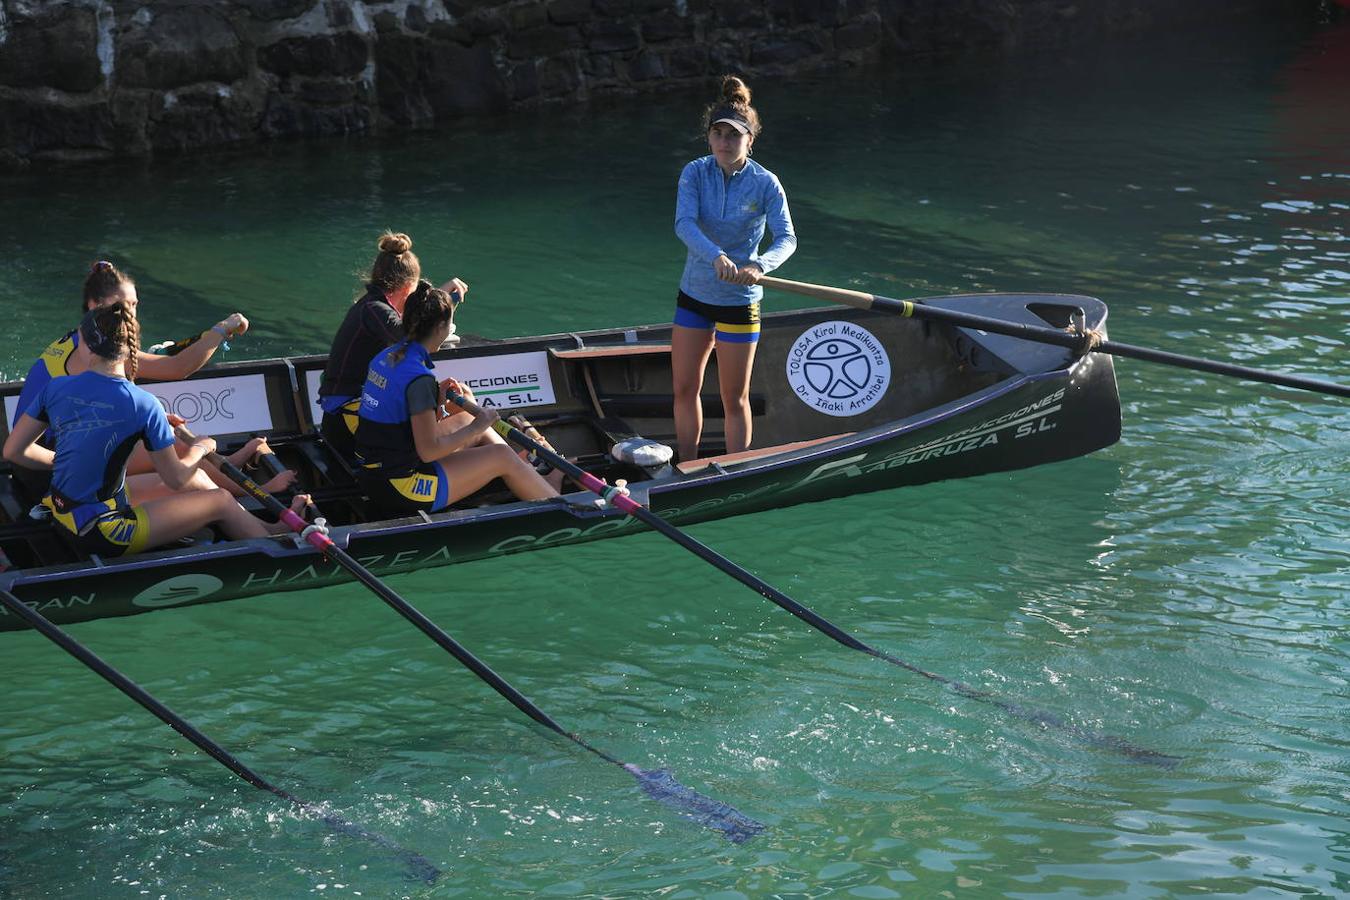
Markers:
point(1080, 342)
point(659, 784)
point(417, 864)
point(619, 499)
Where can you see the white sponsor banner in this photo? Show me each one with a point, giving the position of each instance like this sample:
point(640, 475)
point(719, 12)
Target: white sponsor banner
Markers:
point(511, 381)
point(211, 406)
point(838, 368)
point(11, 404)
point(234, 404)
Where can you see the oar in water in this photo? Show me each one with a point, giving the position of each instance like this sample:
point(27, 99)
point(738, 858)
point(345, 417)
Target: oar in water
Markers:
point(620, 500)
point(659, 784)
point(1080, 342)
point(419, 865)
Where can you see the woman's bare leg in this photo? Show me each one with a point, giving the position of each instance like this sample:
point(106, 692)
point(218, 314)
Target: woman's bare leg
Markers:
point(734, 362)
point(142, 489)
point(139, 464)
point(181, 514)
point(689, 350)
point(471, 468)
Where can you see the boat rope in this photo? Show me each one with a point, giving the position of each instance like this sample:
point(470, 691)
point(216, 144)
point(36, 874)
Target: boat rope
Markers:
point(1089, 339)
point(319, 526)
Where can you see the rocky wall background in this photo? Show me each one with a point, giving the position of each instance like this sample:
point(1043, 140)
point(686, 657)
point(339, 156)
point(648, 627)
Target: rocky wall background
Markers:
point(89, 79)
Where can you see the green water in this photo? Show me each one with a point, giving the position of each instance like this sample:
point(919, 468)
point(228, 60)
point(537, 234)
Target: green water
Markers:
point(1185, 588)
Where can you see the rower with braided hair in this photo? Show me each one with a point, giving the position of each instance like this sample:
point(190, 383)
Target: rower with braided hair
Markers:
point(409, 459)
point(97, 419)
point(105, 284)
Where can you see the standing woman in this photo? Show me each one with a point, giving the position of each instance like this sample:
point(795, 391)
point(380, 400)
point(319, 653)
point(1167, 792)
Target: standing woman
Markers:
point(98, 418)
point(410, 460)
point(726, 201)
point(374, 322)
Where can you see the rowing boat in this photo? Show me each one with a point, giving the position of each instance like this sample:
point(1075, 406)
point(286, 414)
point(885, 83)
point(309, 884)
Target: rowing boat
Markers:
point(844, 401)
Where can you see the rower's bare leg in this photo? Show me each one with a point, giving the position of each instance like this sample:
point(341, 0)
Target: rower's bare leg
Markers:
point(689, 350)
point(471, 468)
point(145, 485)
point(491, 437)
point(181, 514)
point(734, 362)
point(525, 427)
point(149, 486)
point(242, 457)
point(461, 419)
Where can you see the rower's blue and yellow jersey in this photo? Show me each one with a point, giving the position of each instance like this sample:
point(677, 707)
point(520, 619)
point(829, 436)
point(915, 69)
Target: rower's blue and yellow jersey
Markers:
point(53, 363)
point(395, 391)
point(96, 421)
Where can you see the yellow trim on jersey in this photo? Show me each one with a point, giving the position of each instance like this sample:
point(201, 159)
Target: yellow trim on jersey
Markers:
point(129, 529)
point(57, 355)
point(350, 412)
point(126, 531)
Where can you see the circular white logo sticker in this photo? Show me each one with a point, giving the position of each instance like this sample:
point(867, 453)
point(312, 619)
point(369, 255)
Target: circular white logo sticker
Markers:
point(179, 589)
point(838, 368)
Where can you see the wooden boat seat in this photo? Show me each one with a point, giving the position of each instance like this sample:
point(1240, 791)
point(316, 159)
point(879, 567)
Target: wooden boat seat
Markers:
point(607, 351)
point(695, 465)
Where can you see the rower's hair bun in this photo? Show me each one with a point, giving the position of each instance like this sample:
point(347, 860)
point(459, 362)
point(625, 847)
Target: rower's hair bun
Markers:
point(395, 243)
point(734, 90)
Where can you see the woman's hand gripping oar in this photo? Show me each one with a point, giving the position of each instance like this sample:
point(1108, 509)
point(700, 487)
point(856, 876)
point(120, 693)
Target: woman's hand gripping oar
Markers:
point(659, 784)
point(1078, 341)
point(417, 864)
point(618, 498)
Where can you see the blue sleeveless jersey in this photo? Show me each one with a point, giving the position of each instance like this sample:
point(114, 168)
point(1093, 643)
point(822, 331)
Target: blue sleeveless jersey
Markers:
point(393, 393)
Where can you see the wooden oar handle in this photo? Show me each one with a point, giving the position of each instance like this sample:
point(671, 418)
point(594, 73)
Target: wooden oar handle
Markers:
point(821, 292)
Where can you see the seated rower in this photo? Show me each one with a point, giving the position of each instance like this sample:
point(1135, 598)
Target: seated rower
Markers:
point(409, 460)
point(97, 418)
point(106, 284)
point(372, 323)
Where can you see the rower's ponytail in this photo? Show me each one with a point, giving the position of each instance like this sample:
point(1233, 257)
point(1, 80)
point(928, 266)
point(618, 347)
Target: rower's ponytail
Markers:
point(395, 265)
point(113, 332)
point(426, 310)
point(104, 282)
point(734, 96)
point(130, 333)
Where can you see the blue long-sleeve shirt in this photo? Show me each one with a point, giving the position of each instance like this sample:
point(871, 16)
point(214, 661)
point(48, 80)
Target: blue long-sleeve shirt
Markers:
point(715, 215)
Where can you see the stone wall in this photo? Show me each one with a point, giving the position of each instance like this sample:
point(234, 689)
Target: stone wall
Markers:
point(89, 79)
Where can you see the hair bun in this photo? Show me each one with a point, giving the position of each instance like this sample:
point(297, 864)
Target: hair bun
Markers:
point(734, 90)
point(395, 243)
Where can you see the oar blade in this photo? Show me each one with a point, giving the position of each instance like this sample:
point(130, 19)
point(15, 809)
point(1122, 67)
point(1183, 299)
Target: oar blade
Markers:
point(660, 785)
point(419, 868)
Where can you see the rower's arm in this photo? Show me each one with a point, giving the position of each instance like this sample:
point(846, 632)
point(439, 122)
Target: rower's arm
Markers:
point(192, 357)
point(21, 447)
point(176, 471)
